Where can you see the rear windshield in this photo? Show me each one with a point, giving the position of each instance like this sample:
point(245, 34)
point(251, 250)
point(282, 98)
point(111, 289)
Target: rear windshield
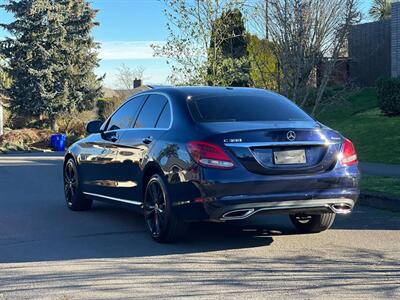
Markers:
point(245, 108)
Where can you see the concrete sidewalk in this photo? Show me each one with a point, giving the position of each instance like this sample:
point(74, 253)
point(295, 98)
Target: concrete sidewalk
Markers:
point(380, 169)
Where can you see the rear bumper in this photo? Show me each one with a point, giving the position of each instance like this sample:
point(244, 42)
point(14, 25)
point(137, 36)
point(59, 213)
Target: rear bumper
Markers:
point(244, 206)
point(226, 198)
point(244, 211)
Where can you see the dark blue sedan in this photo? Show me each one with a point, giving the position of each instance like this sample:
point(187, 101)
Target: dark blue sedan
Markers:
point(190, 154)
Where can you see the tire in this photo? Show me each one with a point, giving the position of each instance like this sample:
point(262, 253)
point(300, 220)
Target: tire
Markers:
point(313, 223)
point(161, 222)
point(74, 197)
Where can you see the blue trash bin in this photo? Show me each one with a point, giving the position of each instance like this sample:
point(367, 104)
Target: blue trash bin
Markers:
point(57, 142)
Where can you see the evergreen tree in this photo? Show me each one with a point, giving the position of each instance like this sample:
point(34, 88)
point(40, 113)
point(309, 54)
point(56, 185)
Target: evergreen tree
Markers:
point(228, 45)
point(264, 72)
point(80, 48)
point(229, 34)
point(51, 57)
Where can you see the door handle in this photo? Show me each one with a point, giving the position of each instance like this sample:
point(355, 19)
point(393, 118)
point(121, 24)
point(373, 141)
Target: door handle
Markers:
point(147, 140)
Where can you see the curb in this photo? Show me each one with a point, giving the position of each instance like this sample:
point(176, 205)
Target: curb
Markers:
point(379, 201)
point(33, 150)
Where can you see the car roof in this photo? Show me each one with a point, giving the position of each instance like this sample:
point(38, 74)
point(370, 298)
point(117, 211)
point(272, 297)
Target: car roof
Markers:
point(207, 91)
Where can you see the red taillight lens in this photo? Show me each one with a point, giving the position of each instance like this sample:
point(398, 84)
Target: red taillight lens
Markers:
point(209, 155)
point(349, 154)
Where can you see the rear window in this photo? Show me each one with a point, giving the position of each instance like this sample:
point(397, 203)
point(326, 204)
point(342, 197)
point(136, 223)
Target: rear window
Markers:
point(245, 108)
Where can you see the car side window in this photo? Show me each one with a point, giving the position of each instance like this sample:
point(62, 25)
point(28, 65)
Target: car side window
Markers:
point(165, 118)
point(126, 114)
point(151, 111)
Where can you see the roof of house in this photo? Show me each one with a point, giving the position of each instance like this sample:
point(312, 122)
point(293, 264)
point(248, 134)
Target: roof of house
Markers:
point(109, 93)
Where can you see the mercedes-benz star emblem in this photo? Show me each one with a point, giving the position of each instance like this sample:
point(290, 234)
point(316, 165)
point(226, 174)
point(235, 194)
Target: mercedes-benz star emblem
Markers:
point(291, 135)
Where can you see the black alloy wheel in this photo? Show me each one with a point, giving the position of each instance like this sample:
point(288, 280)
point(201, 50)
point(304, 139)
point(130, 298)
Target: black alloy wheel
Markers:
point(155, 208)
point(73, 195)
point(70, 182)
point(164, 226)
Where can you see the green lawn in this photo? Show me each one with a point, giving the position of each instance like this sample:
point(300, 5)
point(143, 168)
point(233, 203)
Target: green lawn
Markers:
point(376, 137)
point(379, 185)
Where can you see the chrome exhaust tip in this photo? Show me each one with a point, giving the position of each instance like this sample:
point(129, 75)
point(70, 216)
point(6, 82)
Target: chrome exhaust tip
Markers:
point(238, 214)
point(341, 209)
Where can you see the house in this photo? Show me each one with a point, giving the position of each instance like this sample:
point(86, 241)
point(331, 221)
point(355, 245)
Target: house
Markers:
point(374, 50)
point(137, 88)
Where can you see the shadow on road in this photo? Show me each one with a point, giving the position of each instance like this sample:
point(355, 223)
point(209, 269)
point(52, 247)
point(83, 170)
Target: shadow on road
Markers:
point(86, 240)
point(35, 224)
point(308, 276)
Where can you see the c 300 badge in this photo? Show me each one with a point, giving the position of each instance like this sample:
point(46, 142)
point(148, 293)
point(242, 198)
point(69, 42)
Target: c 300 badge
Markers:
point(232, 140)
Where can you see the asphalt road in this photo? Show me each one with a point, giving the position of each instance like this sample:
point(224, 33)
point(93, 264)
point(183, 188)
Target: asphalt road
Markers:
point(49, 252)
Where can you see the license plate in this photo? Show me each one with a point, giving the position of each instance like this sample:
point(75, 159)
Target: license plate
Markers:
point(290, 157)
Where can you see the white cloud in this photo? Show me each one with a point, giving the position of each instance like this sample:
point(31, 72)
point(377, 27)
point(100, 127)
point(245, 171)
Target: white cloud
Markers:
point(127, 50)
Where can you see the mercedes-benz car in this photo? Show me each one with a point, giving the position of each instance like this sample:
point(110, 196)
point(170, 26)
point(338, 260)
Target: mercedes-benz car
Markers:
point(193, 154)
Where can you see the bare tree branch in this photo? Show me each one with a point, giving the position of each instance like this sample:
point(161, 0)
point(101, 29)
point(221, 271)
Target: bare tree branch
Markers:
point(126, 75)
point(190, 25)
point(307, 34)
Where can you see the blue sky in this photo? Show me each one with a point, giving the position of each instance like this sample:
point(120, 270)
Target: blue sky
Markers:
point(127, 29)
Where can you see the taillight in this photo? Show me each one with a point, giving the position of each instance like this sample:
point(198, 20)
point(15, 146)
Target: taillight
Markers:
point(349, 154)
point(209, 155)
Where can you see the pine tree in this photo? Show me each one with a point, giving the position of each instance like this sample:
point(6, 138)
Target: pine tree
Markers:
point(79, 48)
point(51, 57)
point(228, 54)
point(231, 34)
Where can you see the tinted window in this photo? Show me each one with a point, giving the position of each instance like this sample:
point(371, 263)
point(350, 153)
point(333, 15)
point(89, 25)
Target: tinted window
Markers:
point(245, 108)
point(150, 112)
point(126, 114)
point(165, 118)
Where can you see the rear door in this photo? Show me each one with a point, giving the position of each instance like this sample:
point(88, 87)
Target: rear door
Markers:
point(102, 170)
point(153, 120)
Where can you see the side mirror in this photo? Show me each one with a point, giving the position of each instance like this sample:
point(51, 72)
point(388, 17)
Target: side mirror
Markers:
point(94, 126)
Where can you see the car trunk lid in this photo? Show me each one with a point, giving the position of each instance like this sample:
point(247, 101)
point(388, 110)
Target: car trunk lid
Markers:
point(280, 147)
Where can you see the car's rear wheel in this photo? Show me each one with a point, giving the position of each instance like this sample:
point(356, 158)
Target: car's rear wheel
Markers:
point(312, 223)
point(73, 194)
point(163, 225)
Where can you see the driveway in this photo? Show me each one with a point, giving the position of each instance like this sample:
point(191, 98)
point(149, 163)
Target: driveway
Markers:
point(49, 252)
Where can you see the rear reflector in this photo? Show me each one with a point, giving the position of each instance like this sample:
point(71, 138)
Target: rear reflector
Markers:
point(348, 155)
point(209, 155)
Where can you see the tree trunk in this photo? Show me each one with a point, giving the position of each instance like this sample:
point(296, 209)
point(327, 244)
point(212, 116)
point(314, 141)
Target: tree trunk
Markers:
point(53, 124)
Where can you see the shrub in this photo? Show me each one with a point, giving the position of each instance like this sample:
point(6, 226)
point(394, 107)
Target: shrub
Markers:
point(6, 117)
point(106, 106)
point(389, 96)
point(25, 139)
point(75, 124)
point(18, 121)
point(72, 127)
